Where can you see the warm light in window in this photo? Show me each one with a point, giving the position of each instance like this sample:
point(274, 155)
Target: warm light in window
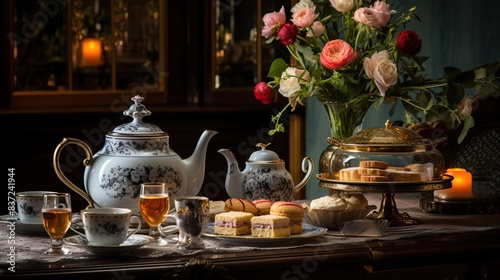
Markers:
point(91, 52)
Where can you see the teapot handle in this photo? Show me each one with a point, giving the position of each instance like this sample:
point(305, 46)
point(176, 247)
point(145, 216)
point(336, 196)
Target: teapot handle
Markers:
point(87, 162)
point(309, 170)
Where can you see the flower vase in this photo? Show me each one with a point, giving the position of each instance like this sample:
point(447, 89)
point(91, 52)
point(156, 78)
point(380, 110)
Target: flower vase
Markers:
point(345, 120)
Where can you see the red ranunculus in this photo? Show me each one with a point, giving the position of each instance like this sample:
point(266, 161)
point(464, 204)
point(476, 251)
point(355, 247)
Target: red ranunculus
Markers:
point(407, 42)
point(287, 33)
point(337, 54)
point(263, 93)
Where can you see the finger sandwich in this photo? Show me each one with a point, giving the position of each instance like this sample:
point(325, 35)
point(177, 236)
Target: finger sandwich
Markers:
point(233, 223)
point(270, 226)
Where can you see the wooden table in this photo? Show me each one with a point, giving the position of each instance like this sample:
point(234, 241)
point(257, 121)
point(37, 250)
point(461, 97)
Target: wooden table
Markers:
point(471, 254)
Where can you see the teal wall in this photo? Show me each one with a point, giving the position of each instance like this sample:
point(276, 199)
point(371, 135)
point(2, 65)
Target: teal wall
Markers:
point(460, 33)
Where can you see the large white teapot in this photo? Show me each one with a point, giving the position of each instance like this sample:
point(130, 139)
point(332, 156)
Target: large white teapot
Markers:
point(134, 153)
point(264, 176)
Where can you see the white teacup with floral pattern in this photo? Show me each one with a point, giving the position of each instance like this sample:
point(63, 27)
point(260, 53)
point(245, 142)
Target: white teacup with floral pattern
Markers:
point(29, 206)
point(105, 226)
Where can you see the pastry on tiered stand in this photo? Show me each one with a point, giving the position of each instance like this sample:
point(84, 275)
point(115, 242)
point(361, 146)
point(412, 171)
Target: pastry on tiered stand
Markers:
point(387, 160)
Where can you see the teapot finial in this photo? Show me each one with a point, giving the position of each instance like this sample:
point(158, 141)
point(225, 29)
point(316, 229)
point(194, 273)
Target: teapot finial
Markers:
point(388, 125)
point(137, 99)
point(137, 110)
point(262, 145)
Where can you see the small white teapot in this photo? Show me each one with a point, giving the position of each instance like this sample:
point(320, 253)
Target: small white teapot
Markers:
point(264, 176)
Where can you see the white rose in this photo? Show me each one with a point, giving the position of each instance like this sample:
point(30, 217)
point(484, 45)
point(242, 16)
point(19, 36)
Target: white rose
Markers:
point(342, 5)
point(302, 5)
point(291, 79)
point(382, 70)
point(289, 82)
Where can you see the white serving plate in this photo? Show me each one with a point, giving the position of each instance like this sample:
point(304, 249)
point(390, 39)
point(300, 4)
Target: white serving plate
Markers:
point(248, 240)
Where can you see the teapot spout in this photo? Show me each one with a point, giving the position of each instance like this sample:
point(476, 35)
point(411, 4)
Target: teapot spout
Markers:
point(234, 177)
point(195, 164)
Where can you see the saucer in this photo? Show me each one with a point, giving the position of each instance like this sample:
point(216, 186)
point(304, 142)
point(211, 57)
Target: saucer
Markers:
point(21, 227)
point(134, 242)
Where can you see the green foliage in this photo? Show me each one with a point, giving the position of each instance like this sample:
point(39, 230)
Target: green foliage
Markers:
point(277, 67)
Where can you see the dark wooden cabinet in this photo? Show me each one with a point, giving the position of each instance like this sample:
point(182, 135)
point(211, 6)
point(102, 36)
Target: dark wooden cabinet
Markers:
point(37, 121)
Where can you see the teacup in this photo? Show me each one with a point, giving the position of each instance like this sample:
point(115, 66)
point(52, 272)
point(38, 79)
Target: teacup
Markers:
point(191, 215)
point(105, 226)
point(29, 206)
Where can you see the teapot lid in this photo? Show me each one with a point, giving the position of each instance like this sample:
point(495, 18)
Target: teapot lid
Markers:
point(264, 155)
point(137, 127)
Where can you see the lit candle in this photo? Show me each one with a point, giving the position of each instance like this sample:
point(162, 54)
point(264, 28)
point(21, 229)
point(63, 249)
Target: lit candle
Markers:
point(461, 186)
point(91, 52)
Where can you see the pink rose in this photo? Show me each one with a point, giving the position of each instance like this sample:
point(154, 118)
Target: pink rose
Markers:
point(382, 70)
point(465, 106)
point(342, 5)
point(287, 33)
point(272, 21)
point(304, 17)
point(317, 29)
point(263, 93)
point(382, 13)
point(378, 16)
point(337, 54)
point(365, 16)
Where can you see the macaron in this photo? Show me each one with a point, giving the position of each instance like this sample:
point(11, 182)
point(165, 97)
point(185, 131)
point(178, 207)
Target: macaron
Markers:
point(263, 206)
point(287, 208)
point(240, 204)
point(292, 210)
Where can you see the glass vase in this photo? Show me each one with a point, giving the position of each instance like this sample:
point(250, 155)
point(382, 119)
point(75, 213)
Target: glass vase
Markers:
point(345, 119)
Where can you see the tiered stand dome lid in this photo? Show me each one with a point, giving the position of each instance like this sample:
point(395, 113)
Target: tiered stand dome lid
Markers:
point(385, 139)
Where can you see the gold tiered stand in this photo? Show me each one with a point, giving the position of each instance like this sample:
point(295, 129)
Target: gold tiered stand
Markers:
point(388, 209)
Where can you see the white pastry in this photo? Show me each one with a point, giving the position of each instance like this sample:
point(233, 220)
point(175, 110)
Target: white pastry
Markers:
point(216, 207)
point(329, 203)
point(355, 201)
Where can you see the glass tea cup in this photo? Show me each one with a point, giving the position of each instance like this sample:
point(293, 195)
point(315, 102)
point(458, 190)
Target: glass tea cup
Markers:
point(154, 204)
point(56, 219)
point(191, 215)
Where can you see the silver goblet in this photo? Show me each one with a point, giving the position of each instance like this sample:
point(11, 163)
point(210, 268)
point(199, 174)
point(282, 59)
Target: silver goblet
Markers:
point(191, 215)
